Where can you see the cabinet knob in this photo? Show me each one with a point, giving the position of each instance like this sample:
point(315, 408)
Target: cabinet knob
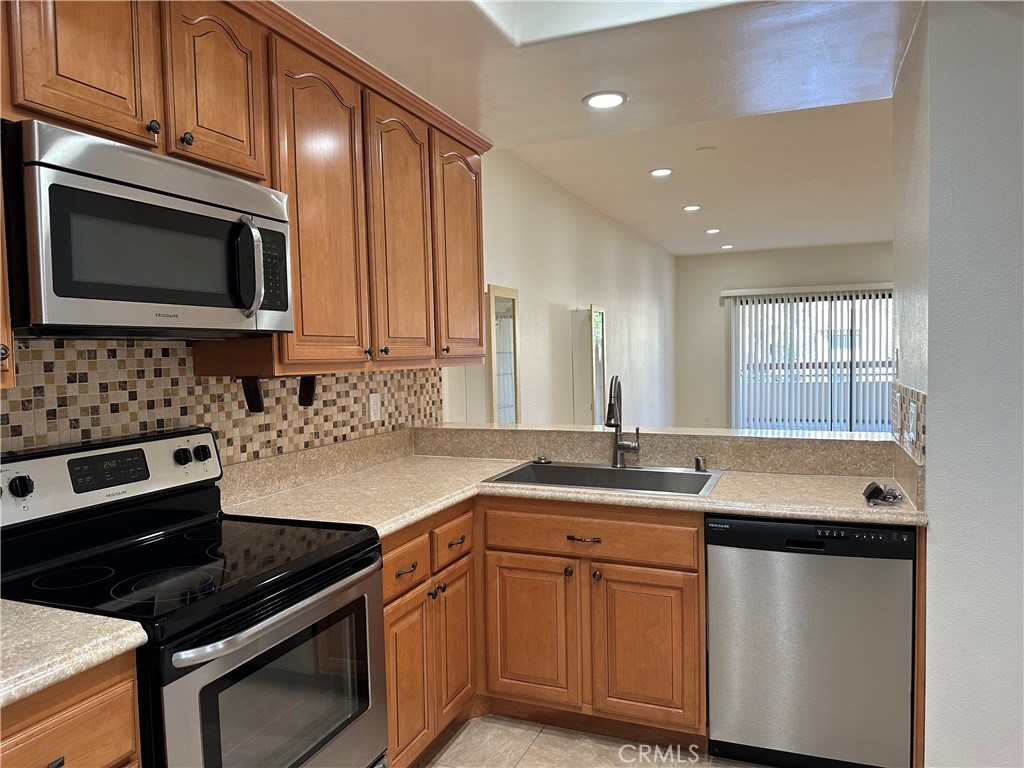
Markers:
point(153, 126)
point(568, 571)
point(58, 763)
point(187, 139)
point(443, 586)
point(597, 575)
point(385, 350)
point(368, 351)
point(5, 352)
point(432, 593)
point(446, 349)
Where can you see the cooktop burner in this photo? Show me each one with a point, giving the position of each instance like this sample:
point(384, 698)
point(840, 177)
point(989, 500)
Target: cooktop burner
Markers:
point(73, 577)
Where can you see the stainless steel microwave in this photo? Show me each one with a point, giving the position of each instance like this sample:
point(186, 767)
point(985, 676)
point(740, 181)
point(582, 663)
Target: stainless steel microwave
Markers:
point(109, 240)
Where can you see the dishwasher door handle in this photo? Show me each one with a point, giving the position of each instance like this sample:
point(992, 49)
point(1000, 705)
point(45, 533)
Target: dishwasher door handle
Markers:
point(804, 545)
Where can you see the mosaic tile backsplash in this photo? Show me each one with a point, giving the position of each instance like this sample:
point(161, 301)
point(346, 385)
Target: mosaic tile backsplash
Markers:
point(908, 420)
point(73, 390)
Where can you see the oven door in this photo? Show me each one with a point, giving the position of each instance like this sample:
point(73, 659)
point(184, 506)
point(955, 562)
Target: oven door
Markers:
point(107, 255)
point(304, 687)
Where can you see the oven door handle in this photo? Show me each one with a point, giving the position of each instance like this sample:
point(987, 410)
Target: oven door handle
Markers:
point(257, 263)
point(204, 653)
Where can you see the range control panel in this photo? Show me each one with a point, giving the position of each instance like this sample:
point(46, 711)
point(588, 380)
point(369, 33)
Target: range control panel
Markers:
point(859, 534)
point(64, 479)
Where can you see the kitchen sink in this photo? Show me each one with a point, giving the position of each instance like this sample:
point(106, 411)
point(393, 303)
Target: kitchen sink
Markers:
point(674, 480)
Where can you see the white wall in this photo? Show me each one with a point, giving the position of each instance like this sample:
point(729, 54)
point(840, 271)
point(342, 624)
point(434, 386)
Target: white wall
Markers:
point(702, 343)
point(910, 212)
point(562, 254)
point(975, 482)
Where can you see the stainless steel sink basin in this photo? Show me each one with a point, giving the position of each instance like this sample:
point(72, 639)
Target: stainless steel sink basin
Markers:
point(675, 480)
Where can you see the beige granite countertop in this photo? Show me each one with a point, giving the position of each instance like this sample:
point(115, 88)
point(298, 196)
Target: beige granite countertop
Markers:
point(398, 493)
point(41, 646)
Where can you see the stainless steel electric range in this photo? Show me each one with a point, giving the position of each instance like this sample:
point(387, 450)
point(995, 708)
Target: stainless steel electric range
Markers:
point(266, 643)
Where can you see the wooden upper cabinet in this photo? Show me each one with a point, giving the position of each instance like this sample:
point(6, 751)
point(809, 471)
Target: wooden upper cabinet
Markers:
point(458, 248)
point(319, 164)
point(93, 63)
point(655, 610)
point(401, 263)
point(216, 79)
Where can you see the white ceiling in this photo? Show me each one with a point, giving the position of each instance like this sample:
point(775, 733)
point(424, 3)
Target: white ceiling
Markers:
point(813, 177)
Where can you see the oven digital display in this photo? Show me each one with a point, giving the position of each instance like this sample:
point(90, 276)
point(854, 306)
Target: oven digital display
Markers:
point(97, 472)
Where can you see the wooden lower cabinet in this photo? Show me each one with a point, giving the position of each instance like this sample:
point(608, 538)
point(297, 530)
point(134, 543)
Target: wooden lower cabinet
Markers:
point(645, 627)
point(533, 626)
point(88, 720)
point(408, 652)
point(430, 659)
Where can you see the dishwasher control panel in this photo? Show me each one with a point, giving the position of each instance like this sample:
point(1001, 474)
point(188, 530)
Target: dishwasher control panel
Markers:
point(811, 537)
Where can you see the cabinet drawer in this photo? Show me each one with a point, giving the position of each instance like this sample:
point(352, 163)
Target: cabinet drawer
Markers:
point(98, 732)
point(406, 566)
point(529, 531)
point(648, 543)
point(452, 540)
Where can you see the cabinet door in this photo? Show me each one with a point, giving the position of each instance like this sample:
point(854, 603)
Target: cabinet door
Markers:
point(400, 252)
point(6, 337)
point(646, 644)
point(216, 82)
point(458, 249)
point(320, 166)
point(453, 632)
point(533, 626)
point(408, 655)
point(94, 63)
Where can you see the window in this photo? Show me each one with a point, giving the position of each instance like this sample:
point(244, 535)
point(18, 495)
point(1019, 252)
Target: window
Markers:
point(817, 360)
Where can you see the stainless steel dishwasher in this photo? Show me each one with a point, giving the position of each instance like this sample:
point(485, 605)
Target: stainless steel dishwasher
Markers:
point(810, 642)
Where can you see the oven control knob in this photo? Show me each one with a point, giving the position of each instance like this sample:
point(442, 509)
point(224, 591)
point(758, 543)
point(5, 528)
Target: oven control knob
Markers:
point(21, 486)
point(183, 456)
point(202, 452)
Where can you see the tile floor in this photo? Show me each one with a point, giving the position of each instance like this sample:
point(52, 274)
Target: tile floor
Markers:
point(500, 742)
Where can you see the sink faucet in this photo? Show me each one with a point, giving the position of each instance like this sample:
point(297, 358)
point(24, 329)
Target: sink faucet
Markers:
point(614, 419)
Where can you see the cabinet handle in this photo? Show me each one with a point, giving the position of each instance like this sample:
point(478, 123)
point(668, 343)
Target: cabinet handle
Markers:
point(58, 763)
point(385, 350)
point(597, 575)
point(408, 570)
point(153, 126)
point(443, 586)
point(595, 540)
point(187, 139)
point(446, 349)
point(457, 542)
point(368, 351)
point(5, 352)
point(568, 570)
point(432, 593)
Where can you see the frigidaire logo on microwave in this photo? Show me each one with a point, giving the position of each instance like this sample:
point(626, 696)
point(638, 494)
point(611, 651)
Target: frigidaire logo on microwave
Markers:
point(168, 315)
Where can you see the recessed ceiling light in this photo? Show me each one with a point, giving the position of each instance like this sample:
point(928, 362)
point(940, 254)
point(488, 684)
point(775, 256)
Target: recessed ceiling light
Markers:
point(604, 99)
point(691, 208)
point(728, 247)
point(661, 172)
point(712, 231)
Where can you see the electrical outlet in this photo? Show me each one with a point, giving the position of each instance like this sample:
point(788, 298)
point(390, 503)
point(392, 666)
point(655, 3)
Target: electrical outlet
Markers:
point(374, 406)
point(707, 421)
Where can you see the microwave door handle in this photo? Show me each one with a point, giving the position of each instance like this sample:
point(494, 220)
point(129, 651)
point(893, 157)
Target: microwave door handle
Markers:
point(194, 656)
point(257, 258)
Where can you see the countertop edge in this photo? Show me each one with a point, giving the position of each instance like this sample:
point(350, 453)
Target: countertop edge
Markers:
point(63, 666)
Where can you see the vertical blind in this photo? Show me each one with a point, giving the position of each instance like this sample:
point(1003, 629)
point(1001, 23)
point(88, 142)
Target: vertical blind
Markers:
point(814, 361)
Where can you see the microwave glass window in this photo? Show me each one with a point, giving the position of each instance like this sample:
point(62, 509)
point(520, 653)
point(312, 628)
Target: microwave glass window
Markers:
point(175, 261)
point(282, 706)
point(108, 247)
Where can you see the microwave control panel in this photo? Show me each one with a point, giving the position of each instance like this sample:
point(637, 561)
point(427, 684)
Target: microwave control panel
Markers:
point(275, 271)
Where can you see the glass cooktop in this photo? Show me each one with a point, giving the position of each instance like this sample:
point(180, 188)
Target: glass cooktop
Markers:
point(153, 578)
